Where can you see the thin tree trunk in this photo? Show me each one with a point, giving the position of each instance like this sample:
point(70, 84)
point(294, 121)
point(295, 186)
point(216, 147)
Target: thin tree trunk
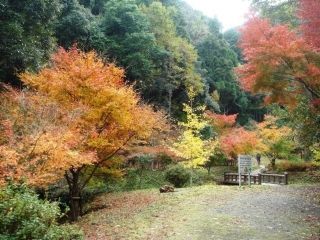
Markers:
point(74, 194)
point(273, 163)
point(169, 102)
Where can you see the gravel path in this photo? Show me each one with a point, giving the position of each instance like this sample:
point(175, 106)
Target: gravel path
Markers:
point(226, 213)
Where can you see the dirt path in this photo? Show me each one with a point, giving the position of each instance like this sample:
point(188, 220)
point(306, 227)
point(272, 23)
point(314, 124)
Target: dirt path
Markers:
point(212, 212)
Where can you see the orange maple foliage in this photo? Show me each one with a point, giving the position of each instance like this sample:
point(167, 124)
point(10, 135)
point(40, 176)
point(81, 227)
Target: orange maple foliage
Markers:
point(35, 139)
point(239, 141)
point(221, 121)
point(96, 115)
point(279, 63)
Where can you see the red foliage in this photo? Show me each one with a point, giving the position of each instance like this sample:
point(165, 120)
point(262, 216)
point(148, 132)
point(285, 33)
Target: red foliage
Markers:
point(239, 141)
point(265, 47)
point(279, 62)
point(309, 14)
point(221, 120)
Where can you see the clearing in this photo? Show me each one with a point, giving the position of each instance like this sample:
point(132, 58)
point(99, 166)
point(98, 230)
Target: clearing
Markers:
point(208, 212)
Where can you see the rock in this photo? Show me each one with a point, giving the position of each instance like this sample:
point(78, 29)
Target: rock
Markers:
point(166, 189)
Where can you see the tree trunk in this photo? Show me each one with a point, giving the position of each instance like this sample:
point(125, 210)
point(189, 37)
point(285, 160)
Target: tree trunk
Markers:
point(169, 102)
point(75, 195)
point(273, 163)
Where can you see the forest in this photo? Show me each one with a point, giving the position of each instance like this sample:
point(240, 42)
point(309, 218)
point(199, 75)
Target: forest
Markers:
point(102, 97)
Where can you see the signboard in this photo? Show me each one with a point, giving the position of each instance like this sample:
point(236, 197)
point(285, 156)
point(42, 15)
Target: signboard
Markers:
point(244, 163)
point(244, 166)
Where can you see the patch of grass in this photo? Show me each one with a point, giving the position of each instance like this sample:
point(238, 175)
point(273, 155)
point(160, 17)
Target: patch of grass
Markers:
point(307, 177)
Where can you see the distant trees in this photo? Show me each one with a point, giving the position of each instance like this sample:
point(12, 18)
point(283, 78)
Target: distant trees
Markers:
point(162, 55)
point(26, 36)
point(176, 60)
point(129, 41)
point(76, 25)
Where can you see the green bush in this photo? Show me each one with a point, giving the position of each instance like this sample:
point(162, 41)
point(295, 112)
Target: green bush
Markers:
point(24, 216)
point(177, 175)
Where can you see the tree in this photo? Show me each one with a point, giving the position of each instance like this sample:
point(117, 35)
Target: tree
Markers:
point(100, 115)
point(221, 122)
point(308, 12)
point(239, 141)
point(279, 12)
point(219, 61)
point(232, 36)
point(276, 139)
point(129, 42)
point(284, 65)
point(190, 145)
point(76, 25)
point(177, 58)
point(279, 64)
point(26, 36)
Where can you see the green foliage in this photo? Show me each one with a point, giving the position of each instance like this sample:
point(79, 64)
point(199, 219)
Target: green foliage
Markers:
point(306, 122)
point(217, 159)
point(24, 216)
point(176, 58)
point(219, 60)
point(232, 37)
point(280, 12)
point(207, 132)
point(83, 25)
point(27, 35)
point(177, 175)
point(129, 41)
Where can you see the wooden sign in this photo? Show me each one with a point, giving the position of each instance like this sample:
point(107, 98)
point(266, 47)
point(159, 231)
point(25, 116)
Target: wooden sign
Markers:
point(244, 166)
point(244, 163)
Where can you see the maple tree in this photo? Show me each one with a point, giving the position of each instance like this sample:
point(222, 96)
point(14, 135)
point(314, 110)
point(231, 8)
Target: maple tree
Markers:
point(279, 63)
point(308, 13)
point(239, 141)
point(34, 139)
point(233, 140)
point(221, 122)
point(98, 115)
point(275, 139)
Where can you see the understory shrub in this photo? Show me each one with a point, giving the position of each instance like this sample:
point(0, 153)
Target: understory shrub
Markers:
point(291, 166)
point(177, 175)
point(24, 216)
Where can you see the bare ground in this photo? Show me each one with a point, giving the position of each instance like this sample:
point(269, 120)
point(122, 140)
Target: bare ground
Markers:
point(209, 212)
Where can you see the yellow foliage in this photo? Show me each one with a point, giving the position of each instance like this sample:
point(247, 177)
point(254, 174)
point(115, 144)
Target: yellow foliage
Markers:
point(190, 145)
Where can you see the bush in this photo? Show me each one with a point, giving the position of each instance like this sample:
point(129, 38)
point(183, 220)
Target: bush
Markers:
point(288, 166)
point(23, 216)
point(177, 175)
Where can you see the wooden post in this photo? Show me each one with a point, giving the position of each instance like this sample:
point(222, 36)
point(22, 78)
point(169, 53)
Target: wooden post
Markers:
point(259, 178)
point(286, 178)
point(239, 172)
